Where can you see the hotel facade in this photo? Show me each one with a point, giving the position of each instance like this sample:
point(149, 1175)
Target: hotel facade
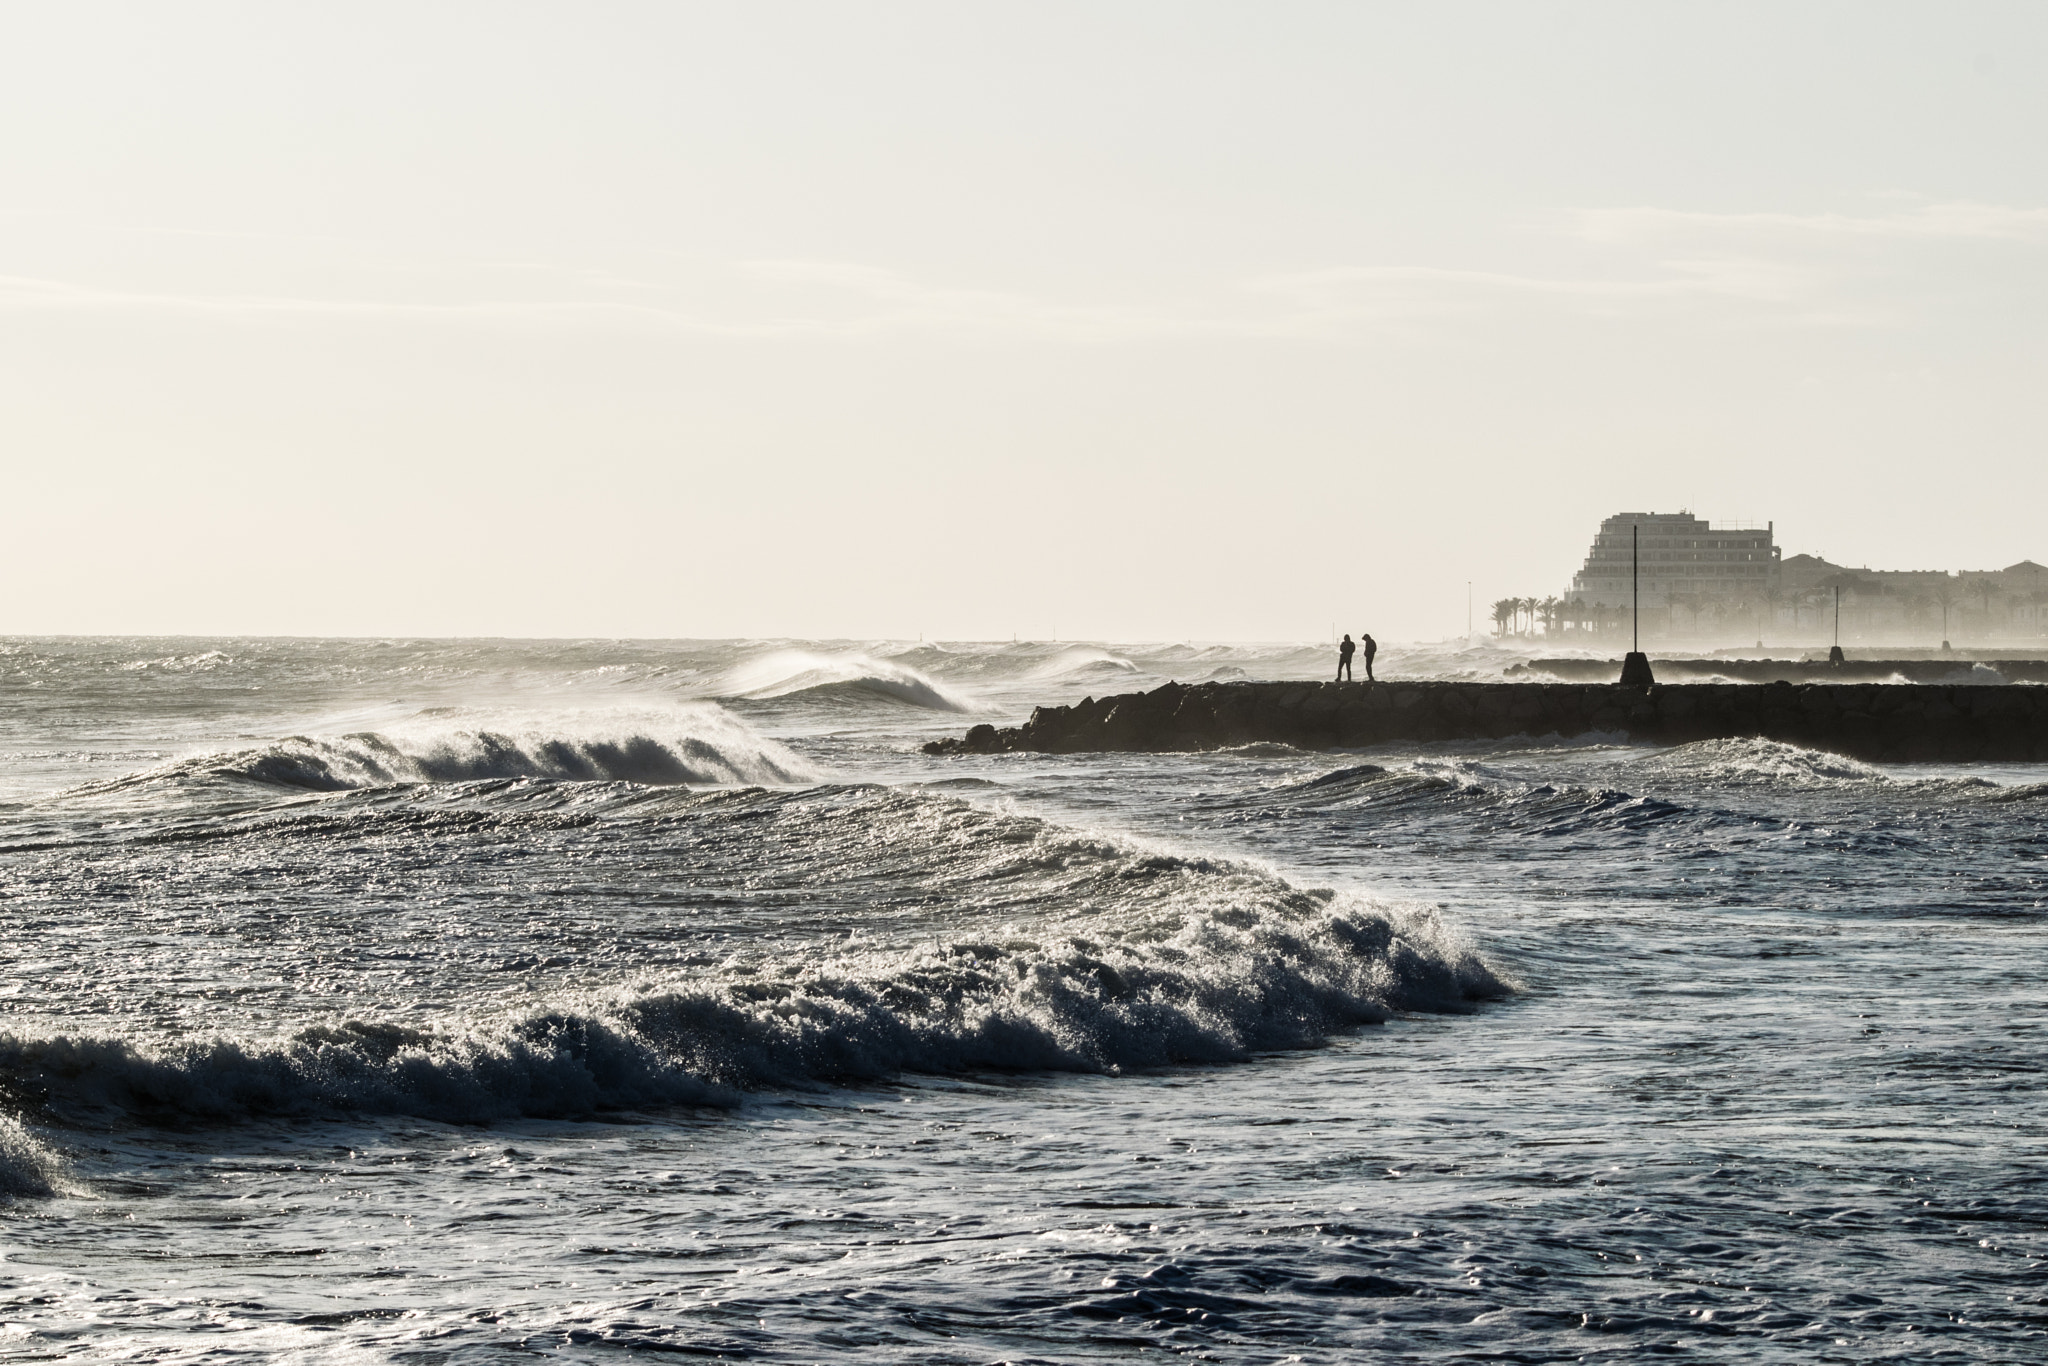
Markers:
point(1701, 581)
point(1684, 559)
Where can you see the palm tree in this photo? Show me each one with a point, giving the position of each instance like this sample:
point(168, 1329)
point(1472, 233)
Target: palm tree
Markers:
point(1819, 598)
point(1917, 608)
point(1986, 589)
point(1503, 613)
point(1691, 602)
point(1946, 595)
point(1739, 607)
point(1550, 608)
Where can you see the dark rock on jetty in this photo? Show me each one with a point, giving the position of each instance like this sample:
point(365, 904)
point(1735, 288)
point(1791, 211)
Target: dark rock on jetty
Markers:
point(1893, 722)
point(1985, 671)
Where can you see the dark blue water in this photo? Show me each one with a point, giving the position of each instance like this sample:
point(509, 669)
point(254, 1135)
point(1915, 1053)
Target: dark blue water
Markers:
point(453, 1001)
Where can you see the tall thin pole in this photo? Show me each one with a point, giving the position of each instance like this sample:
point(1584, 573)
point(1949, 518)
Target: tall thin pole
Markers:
point(1838, 614)
point(1635, 584)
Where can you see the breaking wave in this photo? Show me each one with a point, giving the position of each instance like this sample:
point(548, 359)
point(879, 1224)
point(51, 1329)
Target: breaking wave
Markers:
point(857, 677)
point(694, 744)
point(1084, 662)
point(26, 1167)
point(203, 662)
point(1246, 964)
point(1435, 789)
point(1708, 784)
point(1773, 763)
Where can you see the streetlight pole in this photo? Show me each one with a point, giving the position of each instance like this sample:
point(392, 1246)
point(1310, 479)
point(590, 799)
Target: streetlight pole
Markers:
point(1635, 670)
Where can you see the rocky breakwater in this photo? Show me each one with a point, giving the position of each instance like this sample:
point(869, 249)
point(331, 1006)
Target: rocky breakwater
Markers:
point(1885, 722)
point(1952, 670)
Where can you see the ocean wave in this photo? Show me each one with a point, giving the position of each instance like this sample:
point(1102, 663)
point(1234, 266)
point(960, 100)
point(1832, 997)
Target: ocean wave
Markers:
point(1753, 761)
point(1169, 960)
point(27, 1168)
point(696, 743)
point(852, 677)
point(1462, 789)
point(203, 662)
point(545, 1066)
point(1083, 662)
point(1707, 786)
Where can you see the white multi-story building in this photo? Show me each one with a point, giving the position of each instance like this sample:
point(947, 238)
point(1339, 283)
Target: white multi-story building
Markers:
point(1685, 561)
point(1701, 581)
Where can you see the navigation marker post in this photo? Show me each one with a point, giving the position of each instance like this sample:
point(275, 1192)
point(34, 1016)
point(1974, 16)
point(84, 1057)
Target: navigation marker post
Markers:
point(1635, 670)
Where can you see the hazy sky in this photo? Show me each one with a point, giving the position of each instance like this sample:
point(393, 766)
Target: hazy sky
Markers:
point(1127, 320)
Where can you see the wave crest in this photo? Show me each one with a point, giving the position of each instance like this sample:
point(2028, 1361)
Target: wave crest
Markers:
point(697, 744)
point(858, 677)
point(26, 1167)
point(1774, 763)
point(1203, 988)
point(1078, 662)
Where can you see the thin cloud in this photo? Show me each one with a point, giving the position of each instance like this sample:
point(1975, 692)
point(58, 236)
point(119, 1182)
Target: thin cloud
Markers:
point(824, 300)
point(1329, 300)
point(26, 292)
point(1955, 221)
point(761, 299)
point(851, 297)
point(1748, 279)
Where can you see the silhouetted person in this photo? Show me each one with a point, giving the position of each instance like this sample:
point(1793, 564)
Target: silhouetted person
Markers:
point(1372, 647)
point(1344, 653)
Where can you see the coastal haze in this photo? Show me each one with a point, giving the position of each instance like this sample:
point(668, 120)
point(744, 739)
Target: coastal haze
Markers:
point(670, 683)
point(1147, 322)
point(1678, 581)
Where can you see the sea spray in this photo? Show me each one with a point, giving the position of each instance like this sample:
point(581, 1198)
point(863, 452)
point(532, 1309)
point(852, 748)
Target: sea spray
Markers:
point(693, 743)
point(27, 1168)
point(854, 679)
point(1212, 987)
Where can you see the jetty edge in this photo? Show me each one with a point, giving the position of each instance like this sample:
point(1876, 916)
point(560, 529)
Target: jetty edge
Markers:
point(1885, 722)
point(1986, 669)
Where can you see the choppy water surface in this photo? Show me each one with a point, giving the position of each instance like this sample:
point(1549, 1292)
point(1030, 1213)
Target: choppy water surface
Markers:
point(469, 1001)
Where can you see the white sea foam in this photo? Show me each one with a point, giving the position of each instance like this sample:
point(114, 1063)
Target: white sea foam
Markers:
point(1755, 760)
point(27, 1168)
point(1981, 674)
point(692, 743)
point(1258, 965)
point(1088, 661)
point(786, 673)
point(202, 662)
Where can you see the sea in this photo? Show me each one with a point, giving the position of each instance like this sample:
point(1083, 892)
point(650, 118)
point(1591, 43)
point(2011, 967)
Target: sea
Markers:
point(465, 1001)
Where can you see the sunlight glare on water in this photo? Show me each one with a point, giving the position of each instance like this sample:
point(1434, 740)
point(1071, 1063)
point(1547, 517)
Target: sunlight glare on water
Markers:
point(430, 1000)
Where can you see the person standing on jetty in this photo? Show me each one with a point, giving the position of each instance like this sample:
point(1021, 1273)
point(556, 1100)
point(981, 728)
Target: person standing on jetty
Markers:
point(1344, 653)
point(1372, 647)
